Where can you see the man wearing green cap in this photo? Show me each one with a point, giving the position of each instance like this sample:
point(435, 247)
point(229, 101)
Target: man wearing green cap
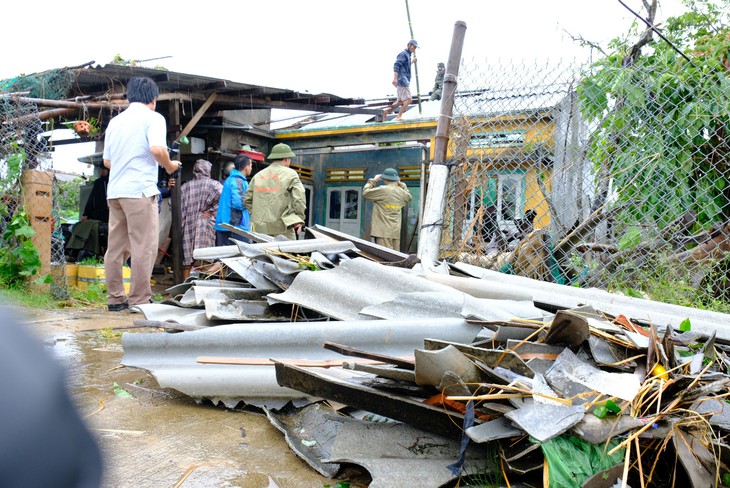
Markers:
point(438, 82)
point(388, 200)
point(275, 197)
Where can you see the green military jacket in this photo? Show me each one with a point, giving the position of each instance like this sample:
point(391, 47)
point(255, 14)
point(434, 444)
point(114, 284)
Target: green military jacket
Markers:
point(388, 200)
point(275, 199)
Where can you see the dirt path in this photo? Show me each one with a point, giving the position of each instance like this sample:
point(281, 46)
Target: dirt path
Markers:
point(160, 438)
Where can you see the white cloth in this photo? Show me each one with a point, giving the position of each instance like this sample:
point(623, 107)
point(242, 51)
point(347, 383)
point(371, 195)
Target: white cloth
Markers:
point(129, 137)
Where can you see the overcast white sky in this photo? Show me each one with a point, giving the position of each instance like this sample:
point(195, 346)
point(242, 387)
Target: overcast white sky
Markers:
point(343, 47)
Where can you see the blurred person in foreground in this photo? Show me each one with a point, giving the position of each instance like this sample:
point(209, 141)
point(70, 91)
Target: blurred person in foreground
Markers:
point(43, 441)
point(134, 145)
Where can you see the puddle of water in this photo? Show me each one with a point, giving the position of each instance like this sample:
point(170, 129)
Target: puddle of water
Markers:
point(161, 437)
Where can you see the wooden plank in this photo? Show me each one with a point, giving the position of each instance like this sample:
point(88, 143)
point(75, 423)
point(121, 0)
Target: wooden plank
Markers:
point(305, 363)
point(163, 325)
point(351, 351)
point(198, 115)
point(316, 382)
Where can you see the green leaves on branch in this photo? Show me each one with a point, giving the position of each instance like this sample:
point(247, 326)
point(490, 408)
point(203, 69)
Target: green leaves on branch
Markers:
point(19, 259)
point(661, 124)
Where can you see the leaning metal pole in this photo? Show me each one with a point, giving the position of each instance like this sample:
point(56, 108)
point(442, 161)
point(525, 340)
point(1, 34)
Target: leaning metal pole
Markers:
point(429, 238)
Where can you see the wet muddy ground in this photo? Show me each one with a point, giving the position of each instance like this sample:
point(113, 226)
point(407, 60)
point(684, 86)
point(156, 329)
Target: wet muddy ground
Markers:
point(160, 438)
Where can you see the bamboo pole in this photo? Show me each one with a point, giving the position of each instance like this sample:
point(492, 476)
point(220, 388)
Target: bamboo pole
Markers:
point(415, 63)
point(431, 226)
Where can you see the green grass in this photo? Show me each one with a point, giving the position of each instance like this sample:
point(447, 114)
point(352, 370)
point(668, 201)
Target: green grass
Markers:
point(24, 298)
point(93, 297)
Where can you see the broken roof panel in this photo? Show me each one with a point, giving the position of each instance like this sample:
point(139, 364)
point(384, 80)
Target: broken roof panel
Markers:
point(559, 296)
point(172, 358)
point(339, 293)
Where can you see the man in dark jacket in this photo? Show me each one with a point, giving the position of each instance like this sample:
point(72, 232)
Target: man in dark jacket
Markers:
point(89, 234)
point(402, 79)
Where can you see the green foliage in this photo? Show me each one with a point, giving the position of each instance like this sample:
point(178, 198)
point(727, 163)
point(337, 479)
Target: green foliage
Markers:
point(91, 261)
point(19, 258)
point(95, 293)
point(630, 239)
point(339, 484)
point(68, 197)
point(21, 297)
point(665, 120)
point(12, 168)
point(121, 392)
point(665, 280)
point(686, 325)
point(489, 475)
point(109, 333)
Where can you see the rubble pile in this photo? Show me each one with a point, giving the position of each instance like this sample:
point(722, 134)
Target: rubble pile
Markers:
point(504, 389)
point(582, 400)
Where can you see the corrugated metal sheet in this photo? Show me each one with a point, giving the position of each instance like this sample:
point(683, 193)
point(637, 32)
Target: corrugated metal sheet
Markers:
point(360, 288)
point(561, 296)
point(171, 358)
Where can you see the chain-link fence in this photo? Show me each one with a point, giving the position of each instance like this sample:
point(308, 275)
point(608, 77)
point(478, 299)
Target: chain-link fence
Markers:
point(615, 178)
point(32, 246)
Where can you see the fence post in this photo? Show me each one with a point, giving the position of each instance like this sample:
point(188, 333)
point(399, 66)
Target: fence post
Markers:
point(37, 198)
point(429, 239)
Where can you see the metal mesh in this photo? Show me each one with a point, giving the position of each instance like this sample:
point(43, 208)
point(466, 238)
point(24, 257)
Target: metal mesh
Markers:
point(555, 180)
point(24, 153)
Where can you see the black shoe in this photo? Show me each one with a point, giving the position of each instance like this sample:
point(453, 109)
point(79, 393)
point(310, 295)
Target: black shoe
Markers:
point(117, 307)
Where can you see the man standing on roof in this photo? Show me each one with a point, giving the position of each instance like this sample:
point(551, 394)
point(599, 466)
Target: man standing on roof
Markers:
point(134, 145)
point(388, 201)
point(275, 197)
point(402, 79)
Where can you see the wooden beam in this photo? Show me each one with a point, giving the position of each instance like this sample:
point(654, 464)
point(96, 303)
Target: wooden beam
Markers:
point(237, 103)
point(316, 382)
point(198, 115)
point(351, 351)
point(304, 363)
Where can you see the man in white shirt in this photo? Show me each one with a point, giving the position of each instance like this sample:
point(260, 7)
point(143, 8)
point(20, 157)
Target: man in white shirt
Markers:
point(135, 143)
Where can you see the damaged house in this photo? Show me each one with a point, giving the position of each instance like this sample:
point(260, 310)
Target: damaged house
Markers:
point(419, 375)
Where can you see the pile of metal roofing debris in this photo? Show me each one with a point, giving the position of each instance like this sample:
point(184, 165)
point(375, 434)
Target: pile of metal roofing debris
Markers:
point(448, 373)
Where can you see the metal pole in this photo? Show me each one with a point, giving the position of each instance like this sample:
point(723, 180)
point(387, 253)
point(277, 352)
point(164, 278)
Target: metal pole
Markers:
point(433, 220)
point(415, 64)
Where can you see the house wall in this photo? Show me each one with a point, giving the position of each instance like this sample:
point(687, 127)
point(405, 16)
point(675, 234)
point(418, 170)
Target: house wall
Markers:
point(372, 161)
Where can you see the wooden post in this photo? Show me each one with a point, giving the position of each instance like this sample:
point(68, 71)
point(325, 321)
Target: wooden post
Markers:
point(176, 208)
point(429, 239)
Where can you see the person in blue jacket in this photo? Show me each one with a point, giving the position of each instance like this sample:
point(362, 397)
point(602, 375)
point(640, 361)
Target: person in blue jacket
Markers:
point(231, 209)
